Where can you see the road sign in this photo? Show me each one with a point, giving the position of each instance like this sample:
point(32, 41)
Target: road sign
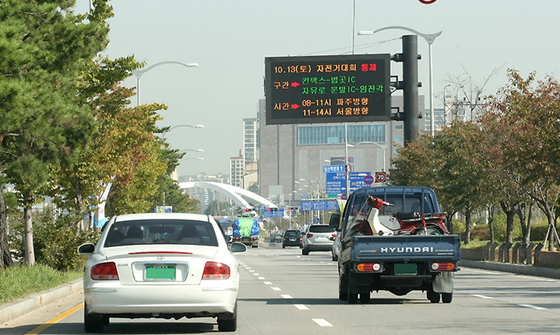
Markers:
point(368, 179)
point(323, 89)
point(380, 177)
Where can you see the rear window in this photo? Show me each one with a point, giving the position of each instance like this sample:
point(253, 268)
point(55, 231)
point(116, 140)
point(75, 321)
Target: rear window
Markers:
point(161, 232)
point(291, 234)
point(321, 229)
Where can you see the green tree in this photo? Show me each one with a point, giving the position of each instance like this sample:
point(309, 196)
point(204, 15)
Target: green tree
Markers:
point(42, 123)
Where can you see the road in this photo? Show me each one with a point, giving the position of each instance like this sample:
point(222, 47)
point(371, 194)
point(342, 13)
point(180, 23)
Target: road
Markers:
point(283, 292)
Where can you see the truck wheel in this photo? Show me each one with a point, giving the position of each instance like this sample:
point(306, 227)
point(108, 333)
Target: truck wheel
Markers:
point(342, 288)
point(433, 296)
point(305, 251)
point(446, 297)
point(352, 297)
point(365, 298)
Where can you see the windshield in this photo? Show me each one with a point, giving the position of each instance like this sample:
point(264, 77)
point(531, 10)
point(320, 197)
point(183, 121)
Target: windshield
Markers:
point(161, 232)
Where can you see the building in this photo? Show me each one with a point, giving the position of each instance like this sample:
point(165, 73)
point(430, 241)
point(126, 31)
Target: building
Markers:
point(291, 157)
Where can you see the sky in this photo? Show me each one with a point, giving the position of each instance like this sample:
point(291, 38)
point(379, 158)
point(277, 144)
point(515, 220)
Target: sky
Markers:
point(230, 39)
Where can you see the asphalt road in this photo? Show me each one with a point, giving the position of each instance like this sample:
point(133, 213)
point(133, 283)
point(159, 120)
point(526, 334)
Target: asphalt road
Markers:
point(283, 292)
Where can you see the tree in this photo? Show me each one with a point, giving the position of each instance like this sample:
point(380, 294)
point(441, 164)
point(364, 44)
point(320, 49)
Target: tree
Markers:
point(42, 122)
point(527, 113)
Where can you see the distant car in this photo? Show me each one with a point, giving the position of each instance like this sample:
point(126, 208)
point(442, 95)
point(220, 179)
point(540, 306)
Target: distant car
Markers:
point(335, 247)
point(162, 265)
point(292, 238)
point(317, 238)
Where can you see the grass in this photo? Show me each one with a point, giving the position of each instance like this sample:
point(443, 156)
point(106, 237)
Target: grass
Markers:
point(21, 281)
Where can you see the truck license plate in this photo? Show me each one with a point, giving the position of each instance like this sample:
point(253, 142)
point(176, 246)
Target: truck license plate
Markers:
point(408, 269)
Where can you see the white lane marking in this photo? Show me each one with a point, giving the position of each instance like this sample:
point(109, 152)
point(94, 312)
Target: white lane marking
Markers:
point(482, 296)
point(532, 306)
point(301, 307)
point(286, 296)
point(267, 282)
point(251, 270)
point(261, 278)
point(322, 322)
point(256, 274)
point(276, 288)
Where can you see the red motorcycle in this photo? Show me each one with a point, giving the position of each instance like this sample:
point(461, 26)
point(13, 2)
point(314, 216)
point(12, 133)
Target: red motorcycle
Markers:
point(413, 223)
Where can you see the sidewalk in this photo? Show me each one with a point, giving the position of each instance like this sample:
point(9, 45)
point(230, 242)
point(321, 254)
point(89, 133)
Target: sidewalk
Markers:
point(15, 309)
point(512, 268)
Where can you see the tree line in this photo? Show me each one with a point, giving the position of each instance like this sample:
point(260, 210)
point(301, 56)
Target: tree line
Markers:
point(66, 127)
point(505, 157)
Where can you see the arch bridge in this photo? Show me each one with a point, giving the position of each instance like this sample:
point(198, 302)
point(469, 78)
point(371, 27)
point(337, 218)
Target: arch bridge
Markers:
point(235, 193)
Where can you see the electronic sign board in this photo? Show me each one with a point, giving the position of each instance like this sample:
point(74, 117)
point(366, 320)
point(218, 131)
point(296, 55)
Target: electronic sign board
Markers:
point(326, 89)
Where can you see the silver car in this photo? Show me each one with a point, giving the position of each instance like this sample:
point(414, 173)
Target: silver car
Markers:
point(161, 265)
point(317, 238)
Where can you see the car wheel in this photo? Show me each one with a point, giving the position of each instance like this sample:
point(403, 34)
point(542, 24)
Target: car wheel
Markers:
point(433, 296)
point(228, 322)
point(446, 297)
point(305, 251)
point(93, 324)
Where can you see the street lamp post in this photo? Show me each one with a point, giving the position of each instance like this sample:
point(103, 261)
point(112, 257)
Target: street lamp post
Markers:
point(138, 74)
point(182, 125)
point(430, 38)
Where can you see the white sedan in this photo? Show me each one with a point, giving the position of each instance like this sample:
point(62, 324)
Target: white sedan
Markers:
point(161, 265)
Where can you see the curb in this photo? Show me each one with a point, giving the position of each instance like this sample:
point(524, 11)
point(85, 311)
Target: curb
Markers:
point(529, 270)
point(20, 307)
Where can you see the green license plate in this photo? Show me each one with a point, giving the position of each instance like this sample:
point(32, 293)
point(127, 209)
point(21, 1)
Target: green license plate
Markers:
point(160, 272)
point(405, 269)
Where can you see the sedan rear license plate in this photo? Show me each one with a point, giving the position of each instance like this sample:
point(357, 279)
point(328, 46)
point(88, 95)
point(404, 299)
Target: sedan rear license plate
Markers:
point(405, 269)
point(159, 272)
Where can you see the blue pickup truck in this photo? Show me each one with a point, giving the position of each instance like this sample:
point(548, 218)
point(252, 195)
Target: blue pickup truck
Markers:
point(392, 262)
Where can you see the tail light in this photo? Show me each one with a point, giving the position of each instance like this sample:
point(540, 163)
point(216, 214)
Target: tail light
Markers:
point(368, 267)
point(216, 270)
point(105, 271)
point(309, 235)
point(443, 266)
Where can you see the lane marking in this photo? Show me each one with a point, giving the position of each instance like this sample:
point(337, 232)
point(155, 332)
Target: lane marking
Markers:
point(301, 307)
point(256, 274)
point(532, 306)
point(261, 278)
point(267, 283)
point(276, 288)
point(39, 329)
point(482, 296)
point(286, 296)
point(322, 322)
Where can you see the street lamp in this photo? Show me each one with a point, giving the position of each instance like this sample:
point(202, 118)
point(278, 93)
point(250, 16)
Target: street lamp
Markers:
point(182, 125)
point(185, 150)
point(138, 74)
point(430, 38)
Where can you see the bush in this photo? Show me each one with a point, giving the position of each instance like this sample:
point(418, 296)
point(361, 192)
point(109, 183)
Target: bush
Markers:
point(538, 232)
point(55, 241)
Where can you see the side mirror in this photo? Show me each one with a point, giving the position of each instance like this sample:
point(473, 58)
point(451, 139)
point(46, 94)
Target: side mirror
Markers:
point(86, 249)
point(238, 247)
point(334, 220)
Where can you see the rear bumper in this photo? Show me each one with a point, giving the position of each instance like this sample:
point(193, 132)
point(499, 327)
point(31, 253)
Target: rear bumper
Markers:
point(149, 300)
